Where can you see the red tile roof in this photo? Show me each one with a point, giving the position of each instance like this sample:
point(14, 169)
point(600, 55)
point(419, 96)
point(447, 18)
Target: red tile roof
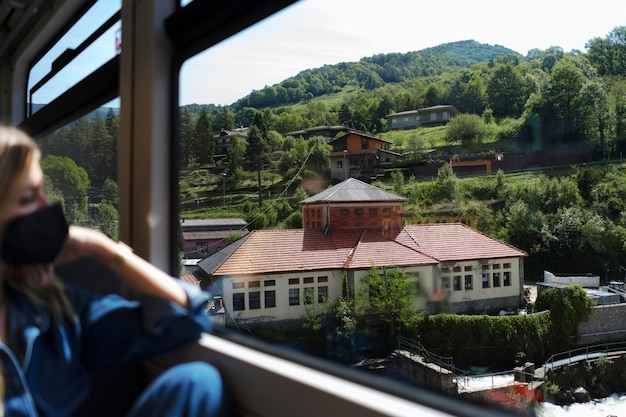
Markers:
point(456, 242)
point(289, 250)
point(292, 250)
point(374, 249)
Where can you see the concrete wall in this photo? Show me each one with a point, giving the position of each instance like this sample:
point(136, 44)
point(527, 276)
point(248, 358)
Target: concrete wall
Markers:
point(587, 281)
point(424, 374)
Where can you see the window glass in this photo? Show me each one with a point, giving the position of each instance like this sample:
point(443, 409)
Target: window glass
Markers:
point(79, 162)
point(74, 69)
point(250, 110)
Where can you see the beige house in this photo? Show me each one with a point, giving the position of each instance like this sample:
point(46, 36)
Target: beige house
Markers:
point(280, 275)
point(424, 117)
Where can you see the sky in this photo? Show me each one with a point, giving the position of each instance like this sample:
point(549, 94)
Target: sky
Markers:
point(313, 33)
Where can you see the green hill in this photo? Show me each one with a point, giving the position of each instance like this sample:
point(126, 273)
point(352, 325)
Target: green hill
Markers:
point(372, 72)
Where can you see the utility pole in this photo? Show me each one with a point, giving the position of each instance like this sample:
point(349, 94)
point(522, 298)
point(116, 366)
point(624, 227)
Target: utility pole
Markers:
point(224, 189)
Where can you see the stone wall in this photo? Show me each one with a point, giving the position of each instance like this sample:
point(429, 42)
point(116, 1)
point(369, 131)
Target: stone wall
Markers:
point(605, 324)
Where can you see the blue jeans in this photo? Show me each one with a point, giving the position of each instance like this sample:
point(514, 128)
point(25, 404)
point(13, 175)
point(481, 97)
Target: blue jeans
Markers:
point(191, 389)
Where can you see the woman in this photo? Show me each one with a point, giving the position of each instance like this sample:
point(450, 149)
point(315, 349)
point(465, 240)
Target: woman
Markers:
point(53, 335)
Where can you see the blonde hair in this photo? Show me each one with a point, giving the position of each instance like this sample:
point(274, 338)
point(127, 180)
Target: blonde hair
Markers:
point(17, 151)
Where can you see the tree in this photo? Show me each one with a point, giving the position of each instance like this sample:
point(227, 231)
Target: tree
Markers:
point(475, 96)
point(257, 155)
point(224, 120)
point(387, 296)
point(319, 159)
point(595, 110)
point(507, 91)
point(71, 181)
point(186, 126)
point(111, 192)
point(416, 145)
point(467, 129)
point(435, 94)
point(108, 220)
point(568, 307)
point(204, 143)
point(446, 185)
point(608, 54)
point(103, 152)
point(235, 154)
point(560, 108)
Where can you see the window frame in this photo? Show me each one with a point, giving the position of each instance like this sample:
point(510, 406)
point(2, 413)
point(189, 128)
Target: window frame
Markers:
point(190, 30)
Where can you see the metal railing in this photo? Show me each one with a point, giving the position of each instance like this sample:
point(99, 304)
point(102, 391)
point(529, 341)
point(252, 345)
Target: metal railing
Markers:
point(414, 347)
point(446, 362)
point(583, 353)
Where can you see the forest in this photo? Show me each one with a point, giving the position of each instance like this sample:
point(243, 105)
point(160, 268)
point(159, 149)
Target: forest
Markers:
point(571, 220)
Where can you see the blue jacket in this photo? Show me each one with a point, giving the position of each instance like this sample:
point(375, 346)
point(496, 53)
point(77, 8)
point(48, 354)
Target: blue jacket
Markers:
point(46, 371)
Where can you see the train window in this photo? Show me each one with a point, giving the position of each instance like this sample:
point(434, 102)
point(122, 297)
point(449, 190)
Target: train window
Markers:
point(79, 161)
point(245, 105)
point(90, 42)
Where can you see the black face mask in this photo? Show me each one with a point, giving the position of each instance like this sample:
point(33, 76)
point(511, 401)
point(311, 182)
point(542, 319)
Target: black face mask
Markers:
point(35, 238)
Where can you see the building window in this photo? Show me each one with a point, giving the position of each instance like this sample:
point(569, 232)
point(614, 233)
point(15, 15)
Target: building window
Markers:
point(496, 279)
point(339, 163)
point(468, 268)
point(496, 266)
point(358, 212)
point(468, 282)
point(386, 211)
point(457, 283)
point(322, 279)
point(445, 269)
point(239, 301)
point(322, 294)
point(365, 143)
point(456, 269)
point(294, 281)
point(237, 285)
point(506, 266)
point(270, 298)
point(269, 283)
point(254, 300)
point(343, 212)
point(307, 280)
point(254, 284)
point(373, 212)
point(445, 283)
point(486, 280)
point(506, 279)
point(486, 267)
point(294, 296)
point(308, 295)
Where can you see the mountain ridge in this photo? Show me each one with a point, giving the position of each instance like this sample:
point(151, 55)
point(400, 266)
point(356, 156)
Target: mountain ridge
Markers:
point(373, 72)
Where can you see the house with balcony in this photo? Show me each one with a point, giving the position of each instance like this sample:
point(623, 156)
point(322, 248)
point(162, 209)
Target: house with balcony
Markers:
point(225, 138)
point(358, 155)
point(280, 275)
point(424, 117)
